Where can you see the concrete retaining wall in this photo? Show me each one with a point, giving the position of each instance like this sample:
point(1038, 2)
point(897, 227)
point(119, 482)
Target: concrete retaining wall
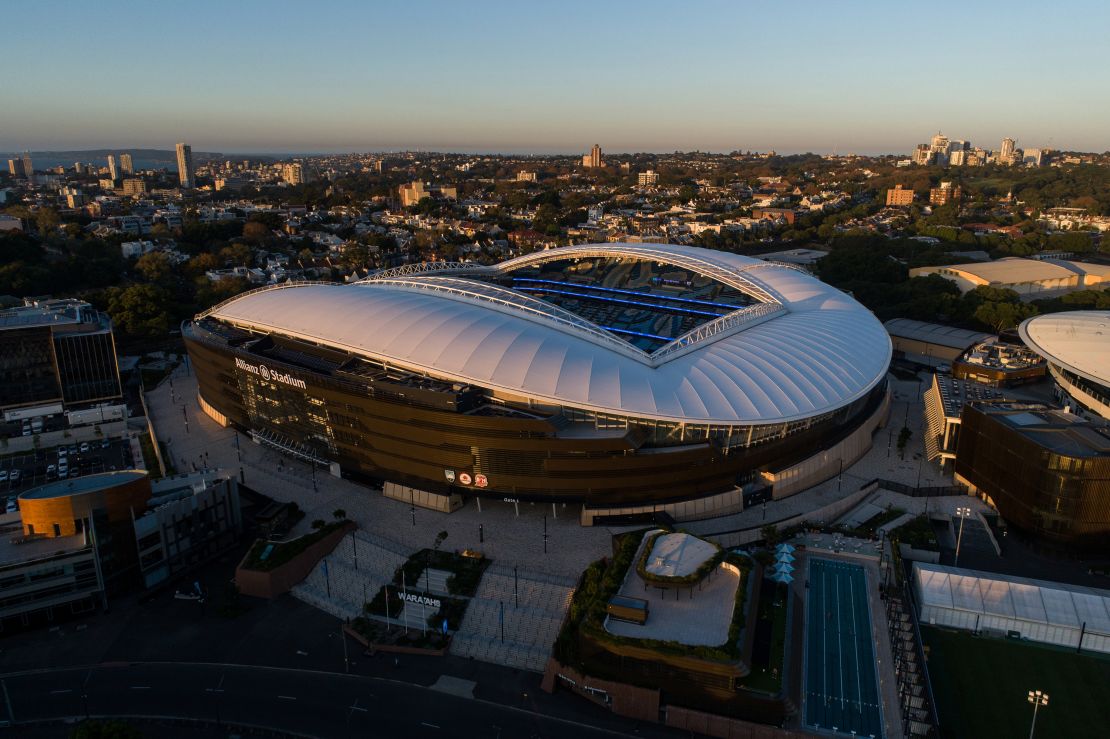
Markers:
point(281, 579)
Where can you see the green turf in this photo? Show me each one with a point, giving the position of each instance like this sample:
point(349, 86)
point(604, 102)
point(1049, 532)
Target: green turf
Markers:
point(981, 685)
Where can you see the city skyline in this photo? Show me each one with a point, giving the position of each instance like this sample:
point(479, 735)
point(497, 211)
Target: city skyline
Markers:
point(647, 81)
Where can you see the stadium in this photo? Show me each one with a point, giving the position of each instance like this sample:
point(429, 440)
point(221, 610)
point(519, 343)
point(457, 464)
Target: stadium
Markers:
point(627, 378)
point(1077, 347)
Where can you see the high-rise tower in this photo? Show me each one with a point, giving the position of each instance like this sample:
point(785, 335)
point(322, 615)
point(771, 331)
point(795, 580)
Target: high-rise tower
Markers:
point(185, 166)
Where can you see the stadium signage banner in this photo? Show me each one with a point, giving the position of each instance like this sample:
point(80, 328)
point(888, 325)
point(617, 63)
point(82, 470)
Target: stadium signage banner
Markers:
point(268, 374)
point(421, 599)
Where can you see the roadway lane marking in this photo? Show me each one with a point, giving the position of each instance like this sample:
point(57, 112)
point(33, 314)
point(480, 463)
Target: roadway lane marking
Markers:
point(140, 687)
point(430, 726)
point(60, 691)
point(287, 698)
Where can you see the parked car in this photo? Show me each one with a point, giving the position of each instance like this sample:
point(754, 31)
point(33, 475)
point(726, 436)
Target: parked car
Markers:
point(15, 476)
point(84, 446)
point(13, 506)
point(62, 452)
point(3, 475)
point(105, 444)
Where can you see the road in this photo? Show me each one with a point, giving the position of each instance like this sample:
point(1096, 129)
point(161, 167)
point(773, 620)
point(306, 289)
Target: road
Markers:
point(305, 702)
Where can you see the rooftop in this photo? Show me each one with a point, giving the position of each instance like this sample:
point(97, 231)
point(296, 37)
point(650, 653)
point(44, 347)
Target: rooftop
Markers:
point(955, 393)
point(48, 312)
point(934, 333)
point(1076, 340)
point(80, 485)
point(1039, 601)
point(796, 349)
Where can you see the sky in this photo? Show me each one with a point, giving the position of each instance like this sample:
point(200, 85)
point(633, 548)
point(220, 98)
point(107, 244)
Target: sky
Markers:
point(553, 76)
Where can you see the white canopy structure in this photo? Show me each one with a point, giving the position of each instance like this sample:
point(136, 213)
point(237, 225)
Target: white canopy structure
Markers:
point(1053, 613)
point(800, 350)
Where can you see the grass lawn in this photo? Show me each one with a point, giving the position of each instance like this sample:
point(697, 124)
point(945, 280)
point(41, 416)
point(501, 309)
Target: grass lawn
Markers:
point(981, 685)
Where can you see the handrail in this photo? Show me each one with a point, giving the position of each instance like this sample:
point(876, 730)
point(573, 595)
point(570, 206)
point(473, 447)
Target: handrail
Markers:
point(725, 273)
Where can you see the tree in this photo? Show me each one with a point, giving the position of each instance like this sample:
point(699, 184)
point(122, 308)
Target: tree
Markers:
point(339, 514)
point(318, 524)
point(256, 232)
point(237, 254)
point(140, 310)
point(903, 439)
point(440, 538)
point(154, 266)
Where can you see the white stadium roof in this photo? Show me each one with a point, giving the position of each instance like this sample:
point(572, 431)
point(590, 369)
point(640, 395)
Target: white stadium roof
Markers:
point(1076, 340)
point(805, 348)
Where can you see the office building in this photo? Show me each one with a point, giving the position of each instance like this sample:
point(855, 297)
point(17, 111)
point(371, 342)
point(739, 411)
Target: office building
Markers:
point(126, 164)
point(1047, 471)
point(414, 192)
point(944, 403)
point(15, 167)
point(28, 167)
point(55, 354)
point(134, 187)
point(945, 194)
point(75, 542)
point(113, 170)
point(999, 364)
point(1077, 347)
point(649, 178)
point(593, 159)
point(293, 173)
point(185, 166)
point(74, 197)
point(1006, 154)
point(615, 376)
point(899, 196)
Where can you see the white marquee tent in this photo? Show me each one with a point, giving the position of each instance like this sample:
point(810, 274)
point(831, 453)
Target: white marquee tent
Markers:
point(1042, 611)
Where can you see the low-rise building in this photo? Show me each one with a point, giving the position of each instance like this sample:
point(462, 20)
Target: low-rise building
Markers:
point(1047, 472)
point(75, 542)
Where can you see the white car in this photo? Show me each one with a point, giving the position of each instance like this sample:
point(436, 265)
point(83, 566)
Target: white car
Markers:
point(3, 475)
point(12, 506)
point(51, 469)
point(62, 452)
point(84, 446)
point(14, 477)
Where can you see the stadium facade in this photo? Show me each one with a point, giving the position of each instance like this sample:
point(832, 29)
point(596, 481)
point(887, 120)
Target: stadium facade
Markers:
point(623, 377)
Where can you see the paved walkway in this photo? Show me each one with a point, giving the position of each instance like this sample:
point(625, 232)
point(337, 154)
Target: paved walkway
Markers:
point(507, 537)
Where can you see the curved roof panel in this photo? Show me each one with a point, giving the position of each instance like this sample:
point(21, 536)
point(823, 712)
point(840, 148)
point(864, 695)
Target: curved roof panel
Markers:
point(822, 351)
point(1077, 340)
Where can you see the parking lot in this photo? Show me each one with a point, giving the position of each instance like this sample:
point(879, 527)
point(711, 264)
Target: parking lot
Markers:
point(30, 469)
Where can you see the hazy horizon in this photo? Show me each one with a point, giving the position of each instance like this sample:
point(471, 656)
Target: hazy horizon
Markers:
point(500, 77)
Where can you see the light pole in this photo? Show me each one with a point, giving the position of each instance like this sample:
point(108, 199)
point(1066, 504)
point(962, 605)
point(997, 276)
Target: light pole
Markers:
point(962, 512)
point(1037, 698)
